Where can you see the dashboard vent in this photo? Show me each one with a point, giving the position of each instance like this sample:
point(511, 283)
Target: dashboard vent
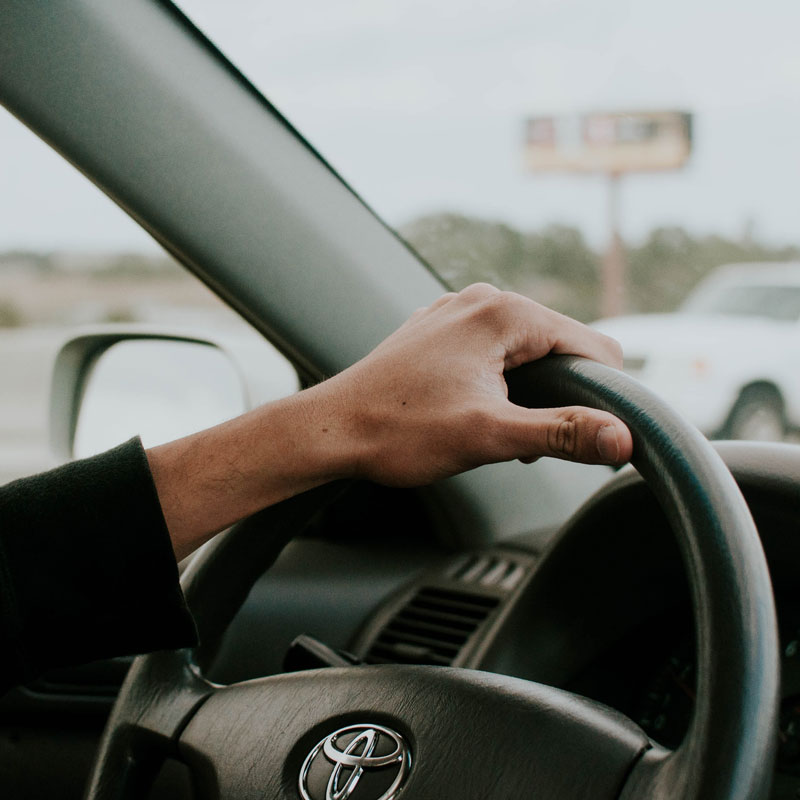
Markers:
point(500, 571)
point(431, 628)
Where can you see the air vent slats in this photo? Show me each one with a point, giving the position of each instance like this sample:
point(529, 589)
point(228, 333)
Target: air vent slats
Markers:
point(473, 571)
point(440, 617)
point(465, 612)
point(425, 629)
point(512, 578)
point(420, 640)
point(489, 570)
point(432, 628)
point(468, 605)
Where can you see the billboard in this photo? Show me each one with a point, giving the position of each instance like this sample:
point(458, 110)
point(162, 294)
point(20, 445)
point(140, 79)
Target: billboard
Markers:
point(611, 142)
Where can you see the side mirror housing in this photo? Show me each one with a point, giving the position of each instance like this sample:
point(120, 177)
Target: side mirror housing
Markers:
point(110, 386)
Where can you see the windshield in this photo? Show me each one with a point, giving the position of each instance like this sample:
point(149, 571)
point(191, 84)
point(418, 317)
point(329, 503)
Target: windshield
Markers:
point(433, 113)
point(604, 159)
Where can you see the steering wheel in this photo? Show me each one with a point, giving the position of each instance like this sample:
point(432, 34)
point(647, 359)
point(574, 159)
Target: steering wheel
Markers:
point(371, 732)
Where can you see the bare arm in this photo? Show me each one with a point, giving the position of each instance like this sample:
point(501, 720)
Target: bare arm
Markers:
point(430, 401)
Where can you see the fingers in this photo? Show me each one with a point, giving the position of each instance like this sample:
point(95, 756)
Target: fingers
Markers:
point(574, 433)
point(575, 338)
point(423, 312)
point(462, 343)
point(530, 330)
point(441, 301)
point(563, 335)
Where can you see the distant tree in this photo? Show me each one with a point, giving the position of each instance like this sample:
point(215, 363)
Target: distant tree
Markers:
point(11, 315)
point(464, 250)
point(119, 314)
point(27, 259)
point(136, 264)
point(671, 262)
point(560, 254)
point(554, 266)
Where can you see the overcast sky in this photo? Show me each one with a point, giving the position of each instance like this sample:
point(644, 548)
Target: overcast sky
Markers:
point(420, 105)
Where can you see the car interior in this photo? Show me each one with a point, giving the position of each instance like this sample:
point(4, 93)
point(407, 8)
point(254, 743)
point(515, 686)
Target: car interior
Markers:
point(547, 630)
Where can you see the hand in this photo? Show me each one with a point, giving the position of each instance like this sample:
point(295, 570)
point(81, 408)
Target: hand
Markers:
point(431, 400)
point(428, 402)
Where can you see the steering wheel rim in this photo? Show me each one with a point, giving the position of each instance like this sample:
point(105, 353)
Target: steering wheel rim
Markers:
point(731, 739)
point(728, 751)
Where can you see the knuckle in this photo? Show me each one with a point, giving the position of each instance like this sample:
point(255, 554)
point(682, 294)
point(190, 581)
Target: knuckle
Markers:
point(497, 309)
point(511, 299)
point(442, 300)
point(562, 436)
point(478, 291)
point(519, 306)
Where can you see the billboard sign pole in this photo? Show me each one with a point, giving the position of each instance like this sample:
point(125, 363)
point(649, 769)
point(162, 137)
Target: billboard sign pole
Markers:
point(612, 144)
point(612, 302)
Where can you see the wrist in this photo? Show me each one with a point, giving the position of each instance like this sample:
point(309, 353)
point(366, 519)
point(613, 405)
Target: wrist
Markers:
point(327, 437)
point(211, 479)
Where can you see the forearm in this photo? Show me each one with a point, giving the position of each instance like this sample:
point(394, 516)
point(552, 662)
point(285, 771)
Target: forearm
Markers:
point(209, 480)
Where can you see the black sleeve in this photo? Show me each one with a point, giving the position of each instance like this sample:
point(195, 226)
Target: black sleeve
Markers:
point(86, 567)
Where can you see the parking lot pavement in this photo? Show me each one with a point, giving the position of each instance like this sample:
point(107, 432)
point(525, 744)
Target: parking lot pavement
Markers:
point(26, 363)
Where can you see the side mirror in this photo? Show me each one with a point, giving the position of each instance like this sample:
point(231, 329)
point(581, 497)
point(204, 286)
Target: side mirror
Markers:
point(108, 387)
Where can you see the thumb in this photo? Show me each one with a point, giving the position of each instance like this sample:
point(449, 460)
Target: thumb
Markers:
point(574, 433)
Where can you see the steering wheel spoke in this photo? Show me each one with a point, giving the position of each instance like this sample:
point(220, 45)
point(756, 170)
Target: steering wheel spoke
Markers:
point(160, 694)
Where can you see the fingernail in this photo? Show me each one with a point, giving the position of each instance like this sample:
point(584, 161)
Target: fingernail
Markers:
point(607, 444)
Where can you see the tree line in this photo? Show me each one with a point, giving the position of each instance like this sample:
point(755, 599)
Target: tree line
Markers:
point(557, 267)
point(554, 265)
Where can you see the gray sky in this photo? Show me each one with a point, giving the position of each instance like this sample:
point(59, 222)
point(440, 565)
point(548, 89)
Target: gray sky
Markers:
point(420, 106)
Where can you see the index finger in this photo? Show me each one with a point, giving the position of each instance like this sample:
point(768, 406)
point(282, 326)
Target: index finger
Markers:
point(536, 331)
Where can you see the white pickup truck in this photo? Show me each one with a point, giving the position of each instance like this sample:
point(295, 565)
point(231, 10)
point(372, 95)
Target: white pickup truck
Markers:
point(729, 359)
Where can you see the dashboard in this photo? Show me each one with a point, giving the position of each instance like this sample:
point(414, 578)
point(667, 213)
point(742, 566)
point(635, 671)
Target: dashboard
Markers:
point(602, 610)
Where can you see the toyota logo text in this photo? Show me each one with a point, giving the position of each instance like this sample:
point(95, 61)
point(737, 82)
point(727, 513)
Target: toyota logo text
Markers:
point(359, 762)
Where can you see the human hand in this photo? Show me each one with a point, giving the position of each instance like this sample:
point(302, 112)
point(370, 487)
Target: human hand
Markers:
point(428, 402)
point(431, 400)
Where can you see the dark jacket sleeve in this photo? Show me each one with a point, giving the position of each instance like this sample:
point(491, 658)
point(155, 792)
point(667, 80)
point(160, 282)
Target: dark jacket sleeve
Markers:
point(86, 567)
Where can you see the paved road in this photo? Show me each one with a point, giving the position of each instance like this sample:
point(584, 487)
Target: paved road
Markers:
point(26, 363)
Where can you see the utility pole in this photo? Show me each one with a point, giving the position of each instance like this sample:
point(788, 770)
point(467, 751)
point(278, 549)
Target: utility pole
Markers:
point(613, 299)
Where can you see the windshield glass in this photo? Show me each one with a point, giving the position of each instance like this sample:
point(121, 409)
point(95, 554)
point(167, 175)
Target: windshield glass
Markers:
point(602, 158)
point(605, 159)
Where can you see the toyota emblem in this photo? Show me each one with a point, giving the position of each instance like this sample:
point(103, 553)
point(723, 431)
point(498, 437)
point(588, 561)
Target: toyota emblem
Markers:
point(359, 762)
